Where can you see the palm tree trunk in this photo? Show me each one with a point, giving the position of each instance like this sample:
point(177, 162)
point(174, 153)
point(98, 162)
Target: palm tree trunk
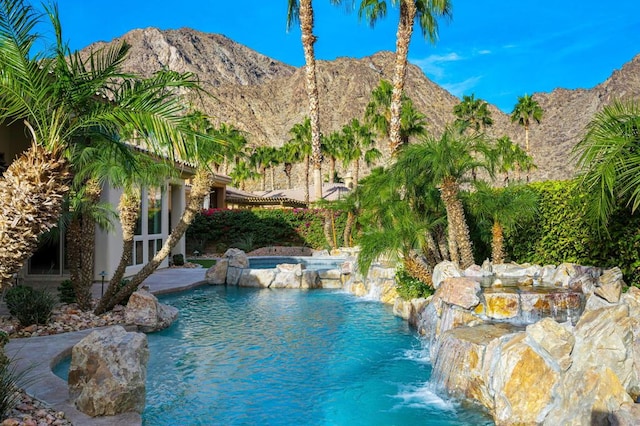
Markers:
point(418, 269)
point(306, 179)
point(264, 178)
point(403, 38)
point(308, 40)
point(497, 243)
point(442, 245)
point(348, 227)
point(87, 242)
point(31, 193)
point(199, 189)
point(433, 256)
point(328, 229)
point(526, 140)
point(456, 220)
point(356, 172)
point(332, 169)
point(454, 253)
point(129, 208)
point(273, 178)
point(287, 172)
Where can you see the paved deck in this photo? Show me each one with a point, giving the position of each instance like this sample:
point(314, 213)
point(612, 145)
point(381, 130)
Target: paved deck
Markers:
point(40, 354)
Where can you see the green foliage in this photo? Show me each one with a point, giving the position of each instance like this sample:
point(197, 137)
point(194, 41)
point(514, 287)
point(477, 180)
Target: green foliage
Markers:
point(178, 259)
point(260, 228)
point(409, 287)
point(561, 232)
point(66, 293)
point(30, 306)
point(10, 381)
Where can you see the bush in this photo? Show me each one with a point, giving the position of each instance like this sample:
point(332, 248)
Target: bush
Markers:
point(261, 228)
point(178, 259)
point(66, 293)
point(10, 381)
point(409, 287)
point(30, 306)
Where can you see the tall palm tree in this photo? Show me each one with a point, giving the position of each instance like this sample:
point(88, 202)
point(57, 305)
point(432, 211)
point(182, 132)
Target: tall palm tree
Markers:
point(333, 147)
point(289, 155)
point(472, 113)
point(261, 159)
point(503, 209)
point(427, 13)
point(302, 11)
point(446, 162)
point(609, 159)
point(234, 142)
point(241, 173)
point(301, 142)
point(526, 111)
point(510, 156)
point(59, 97)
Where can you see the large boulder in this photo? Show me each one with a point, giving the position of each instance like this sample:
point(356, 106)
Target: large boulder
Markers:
point(145, 311)
point(462, 292)
point(261, 278)
point(108, 372)
point(237, 258)
point(217, 274)
point(610, 285)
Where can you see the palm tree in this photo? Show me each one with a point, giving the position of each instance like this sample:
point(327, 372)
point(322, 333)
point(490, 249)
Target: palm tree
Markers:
point(333, 147)
point(511, 156)
point(446, 162)
point(503, 208)
point(427, 13)
point(378, 114)
point(260, 159)
point(524, 112)
point(301, 142)
point(60, 100)
point(288, 155)
point(358, 144)
point(472, 113)
point(234, 142)
point(302, 11)
point(241, 173)
point(609, 160)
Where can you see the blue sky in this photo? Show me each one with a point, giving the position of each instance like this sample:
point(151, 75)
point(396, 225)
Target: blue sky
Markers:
point(498, 50)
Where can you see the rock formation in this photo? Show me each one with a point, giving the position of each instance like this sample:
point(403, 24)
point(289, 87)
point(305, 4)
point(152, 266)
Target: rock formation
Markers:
point(145, 311)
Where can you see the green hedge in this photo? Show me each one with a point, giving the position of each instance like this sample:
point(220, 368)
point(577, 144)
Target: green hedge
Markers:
point(219, 229)
point(561, 233)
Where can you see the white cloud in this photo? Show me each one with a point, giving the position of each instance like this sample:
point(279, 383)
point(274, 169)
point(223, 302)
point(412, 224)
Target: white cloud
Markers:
point(463, 87)
point(484, 52)
point(433, 65)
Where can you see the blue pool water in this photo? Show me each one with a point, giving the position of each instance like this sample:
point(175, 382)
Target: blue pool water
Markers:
point(239, 356)
point(309, 262)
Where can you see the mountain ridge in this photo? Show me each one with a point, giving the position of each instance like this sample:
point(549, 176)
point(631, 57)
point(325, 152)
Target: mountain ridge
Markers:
point(265, 97)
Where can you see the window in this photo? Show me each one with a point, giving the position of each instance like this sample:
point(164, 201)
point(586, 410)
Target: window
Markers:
point(154, 211)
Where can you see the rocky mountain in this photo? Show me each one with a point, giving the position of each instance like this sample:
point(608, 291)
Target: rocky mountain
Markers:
point(266, 98)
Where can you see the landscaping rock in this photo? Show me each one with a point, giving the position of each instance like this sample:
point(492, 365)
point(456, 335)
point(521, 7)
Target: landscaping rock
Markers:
point(261, 278)
point(108, 372)
point(462, 292)
point(310, 279)
point(444, 270)
point(144, 310)
point(237, 258)
point(554, 339)
point(217, 274)
point(610, 285)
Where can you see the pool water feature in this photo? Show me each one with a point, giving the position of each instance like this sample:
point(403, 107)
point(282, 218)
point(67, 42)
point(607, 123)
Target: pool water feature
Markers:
point(259, 356)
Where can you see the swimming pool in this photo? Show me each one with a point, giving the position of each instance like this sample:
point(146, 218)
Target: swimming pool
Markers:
point(245, 356)
point(309, 262)
point(264, 357)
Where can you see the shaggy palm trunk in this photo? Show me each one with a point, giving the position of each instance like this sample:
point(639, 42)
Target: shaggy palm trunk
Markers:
point(332, 169)
point(273, 178)
point(348, 228)
point(454, 253)
point(403, 37)
point(433, 254)
point(356, 172)
point(81, 241)
point(456, 221)
point(306, 180)
point(328, 229)
point(442, 245)
point(308, 40)
point(129, 208)
point(31, 193)
point(526, 146)
point(199, 189)
point(264, 178)
point(497, 243)
point(418, 269)
point(287, 172)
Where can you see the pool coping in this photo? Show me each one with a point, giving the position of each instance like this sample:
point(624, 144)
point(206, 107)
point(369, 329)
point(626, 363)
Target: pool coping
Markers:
point(36, 356)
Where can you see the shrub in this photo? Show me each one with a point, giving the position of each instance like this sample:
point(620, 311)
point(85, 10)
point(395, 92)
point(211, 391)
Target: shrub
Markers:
point(409, 287)
point(66, 293)
point(30, 306)
point(10, 381)
point(178, 259)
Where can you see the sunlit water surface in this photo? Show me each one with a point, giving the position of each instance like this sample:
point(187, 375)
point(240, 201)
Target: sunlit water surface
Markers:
point(287, 357)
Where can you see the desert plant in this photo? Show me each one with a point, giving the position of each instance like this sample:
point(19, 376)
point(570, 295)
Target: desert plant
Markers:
point(30, 306)
point(409, 287)
point(178, 259)
point(10, 381)
point(66, 293)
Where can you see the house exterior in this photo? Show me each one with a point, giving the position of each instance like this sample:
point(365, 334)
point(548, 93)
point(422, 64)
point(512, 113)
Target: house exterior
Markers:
point(161, 209)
